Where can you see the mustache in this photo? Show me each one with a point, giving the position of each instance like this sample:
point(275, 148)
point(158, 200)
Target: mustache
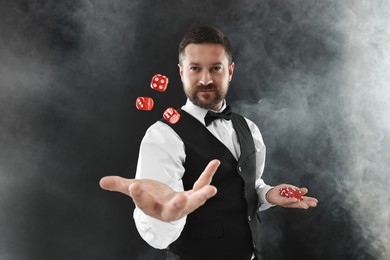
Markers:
point(206, 87)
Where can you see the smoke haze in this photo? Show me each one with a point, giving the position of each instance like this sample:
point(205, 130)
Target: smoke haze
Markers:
point(325, 123)
point(313, 75)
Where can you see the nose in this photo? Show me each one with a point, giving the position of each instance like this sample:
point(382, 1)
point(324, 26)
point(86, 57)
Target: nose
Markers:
point(206, 78)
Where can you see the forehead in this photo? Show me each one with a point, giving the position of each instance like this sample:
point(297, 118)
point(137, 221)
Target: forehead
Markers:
point(205, 53)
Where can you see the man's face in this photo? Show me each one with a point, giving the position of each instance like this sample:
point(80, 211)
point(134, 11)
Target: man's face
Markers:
point(206, 74)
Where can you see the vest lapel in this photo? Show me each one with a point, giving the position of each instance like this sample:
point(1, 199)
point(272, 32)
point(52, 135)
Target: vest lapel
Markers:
point(212, 136)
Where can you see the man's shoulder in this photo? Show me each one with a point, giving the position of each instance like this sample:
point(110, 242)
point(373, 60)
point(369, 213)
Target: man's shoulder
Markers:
point(248, 121)
point(160, 132)
point(158, 128)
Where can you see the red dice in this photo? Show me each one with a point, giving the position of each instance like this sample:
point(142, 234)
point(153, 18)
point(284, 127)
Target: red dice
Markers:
point(144, 103)
point(290, 192)
point(159, 83)
point(171, 115)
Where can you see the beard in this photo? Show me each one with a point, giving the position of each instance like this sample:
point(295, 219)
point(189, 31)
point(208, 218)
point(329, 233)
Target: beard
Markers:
point(208, 100)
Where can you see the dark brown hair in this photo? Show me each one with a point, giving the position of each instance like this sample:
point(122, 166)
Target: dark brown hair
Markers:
point(205, 34)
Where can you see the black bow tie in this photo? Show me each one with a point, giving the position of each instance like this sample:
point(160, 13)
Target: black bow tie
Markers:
point(211, 116)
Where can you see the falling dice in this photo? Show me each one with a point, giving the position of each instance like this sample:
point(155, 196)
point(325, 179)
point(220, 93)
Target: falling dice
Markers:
point(159, 83)
point(290, 192)
point(144, 103)
point(171, 115)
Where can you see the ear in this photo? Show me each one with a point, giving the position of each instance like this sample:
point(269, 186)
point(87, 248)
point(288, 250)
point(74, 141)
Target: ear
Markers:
point(180, 71)
point(231, 69)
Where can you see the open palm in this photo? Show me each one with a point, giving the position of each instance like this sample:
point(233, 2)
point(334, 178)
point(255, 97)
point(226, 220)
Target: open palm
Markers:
point(160, 201)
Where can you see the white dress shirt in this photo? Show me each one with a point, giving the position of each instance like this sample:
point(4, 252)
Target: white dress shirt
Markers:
point(162, 156)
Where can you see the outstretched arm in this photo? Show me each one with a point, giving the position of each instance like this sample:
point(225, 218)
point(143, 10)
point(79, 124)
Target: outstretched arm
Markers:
point(160, 201)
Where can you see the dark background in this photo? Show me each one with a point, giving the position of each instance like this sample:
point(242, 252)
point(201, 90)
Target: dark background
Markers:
point(313, 75)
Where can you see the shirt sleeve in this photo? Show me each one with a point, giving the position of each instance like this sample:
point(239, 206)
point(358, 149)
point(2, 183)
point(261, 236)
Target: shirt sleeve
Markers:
point(161, 158)
point(261, 187)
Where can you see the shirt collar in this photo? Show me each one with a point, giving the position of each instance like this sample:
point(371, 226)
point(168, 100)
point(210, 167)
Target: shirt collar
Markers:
point(198, 112)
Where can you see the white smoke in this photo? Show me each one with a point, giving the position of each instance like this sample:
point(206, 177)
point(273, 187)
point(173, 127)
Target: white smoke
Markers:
point(366, 27)
point(318, 69)
point(337, 110)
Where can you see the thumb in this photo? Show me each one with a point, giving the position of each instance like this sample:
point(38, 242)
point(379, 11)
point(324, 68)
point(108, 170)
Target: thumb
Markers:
point(304, 191)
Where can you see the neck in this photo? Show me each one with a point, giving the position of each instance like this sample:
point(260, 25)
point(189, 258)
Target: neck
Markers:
point(219, 106)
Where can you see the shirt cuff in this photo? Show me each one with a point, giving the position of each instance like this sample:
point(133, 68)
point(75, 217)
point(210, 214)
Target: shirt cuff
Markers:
point(264, 203)
point(157, 233)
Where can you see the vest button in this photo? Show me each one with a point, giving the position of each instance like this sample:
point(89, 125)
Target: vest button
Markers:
point(249, 218)
point(245, 193)
point(239, 169)
point(254, 246)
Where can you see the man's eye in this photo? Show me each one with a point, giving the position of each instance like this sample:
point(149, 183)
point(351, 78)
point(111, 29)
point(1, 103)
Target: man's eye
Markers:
point(195, 69)
point(217, 68)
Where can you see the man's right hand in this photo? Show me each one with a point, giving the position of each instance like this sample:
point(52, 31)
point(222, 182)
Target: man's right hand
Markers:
point(160, 201)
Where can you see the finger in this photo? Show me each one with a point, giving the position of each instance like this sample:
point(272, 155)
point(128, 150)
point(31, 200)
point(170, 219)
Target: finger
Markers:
point(207, 175)
point(303, 191)
point(143, 200)
point(179, 201)
point(198, 198)
point(174, 209)
point(116, 183)
point(302, 204)
point(310, 199)
point(295, 203)
point(288, 201)
point(311, 202)
point(299, 206)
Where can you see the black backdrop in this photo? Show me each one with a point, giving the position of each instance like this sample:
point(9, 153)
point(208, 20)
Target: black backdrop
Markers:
point(314, 76)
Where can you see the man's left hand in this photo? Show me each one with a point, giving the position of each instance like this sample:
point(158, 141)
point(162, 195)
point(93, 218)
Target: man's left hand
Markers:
point(274, 197)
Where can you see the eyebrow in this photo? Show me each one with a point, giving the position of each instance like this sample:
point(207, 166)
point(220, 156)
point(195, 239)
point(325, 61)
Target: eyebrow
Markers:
point(198, 64)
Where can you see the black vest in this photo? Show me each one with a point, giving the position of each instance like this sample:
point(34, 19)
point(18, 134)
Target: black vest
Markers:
point(226, 226)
